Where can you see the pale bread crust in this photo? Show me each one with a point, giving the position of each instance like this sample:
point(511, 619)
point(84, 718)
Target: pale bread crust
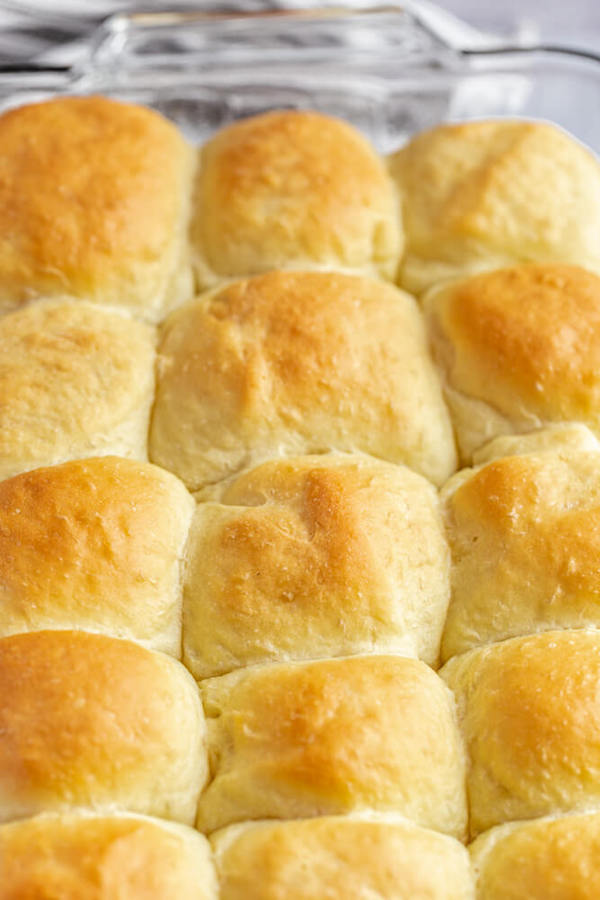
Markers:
point(335, 736)
point(315, 556)
point(529, 714)
point(297, 362)
point(94, 544)
point(75, 380)
point(488, 194)
point(341, 858)
point(292, 189)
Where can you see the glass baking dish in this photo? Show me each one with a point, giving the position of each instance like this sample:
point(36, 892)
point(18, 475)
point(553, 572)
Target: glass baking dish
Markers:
point(390, 71)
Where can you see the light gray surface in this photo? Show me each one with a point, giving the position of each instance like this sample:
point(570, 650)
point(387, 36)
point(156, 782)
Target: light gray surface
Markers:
point(576, 22)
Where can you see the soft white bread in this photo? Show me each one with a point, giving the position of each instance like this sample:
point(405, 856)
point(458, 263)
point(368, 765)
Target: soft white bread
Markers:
point(94, 197)
point(547, 859)
point(482, 195)
point(321, 738)
point(518, 349)
point(559, 439)
point(79, 856)
point(315, 556)
point(94, 544)
point(88, 720)
point(529, 710)
point(74, 381)
point(340, 858)
point(290, 363)
point(293, 189)
point(525, 539)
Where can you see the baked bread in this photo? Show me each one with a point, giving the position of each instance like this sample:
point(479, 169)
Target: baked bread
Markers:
point(561, 440)
point(487, 194)
point(315, 556)
point(297, 362)
point(293, 189)
point(525, 537)
point(547, 858)
point(529, 712)
point(306, 583)
point(94, 544)
point(95, 198)
point(341, 858)
point(365, 733)
point(80, 856)
point(518, 349)
point(92, 721)
point(75, 380)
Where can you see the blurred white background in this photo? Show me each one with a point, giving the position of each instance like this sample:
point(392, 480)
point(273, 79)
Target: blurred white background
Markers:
point(575, 22)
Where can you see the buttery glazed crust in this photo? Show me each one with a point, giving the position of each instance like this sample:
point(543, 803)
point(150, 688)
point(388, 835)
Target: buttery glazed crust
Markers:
point(340, 858)
point(94, 201)
point(79, 856)
point(313, 557)
point(482, 195)
point(548, 859)
point(295, 189)
point(94, 544)
point(290, 363)
point(525, 539)
point(518, 348)
point(529, 710)
point(336, 736)
point(88, 720)
point(75, 381)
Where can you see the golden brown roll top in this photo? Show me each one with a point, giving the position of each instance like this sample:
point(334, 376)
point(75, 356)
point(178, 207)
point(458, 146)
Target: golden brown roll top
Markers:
point(525, 538)
point(293, 189)
point(94, 197)
point(529, 710)
point(482, 195)
point(312, 557)
point(74, 381)
point(91, 721)
point(341, 858)
point(519, 348)
point(97, 545)
point(336, 736)
point(290, 363)
point(80, 856)
point(548, 859)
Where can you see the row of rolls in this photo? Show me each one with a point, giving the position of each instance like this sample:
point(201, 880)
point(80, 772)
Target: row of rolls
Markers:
point(298, 577)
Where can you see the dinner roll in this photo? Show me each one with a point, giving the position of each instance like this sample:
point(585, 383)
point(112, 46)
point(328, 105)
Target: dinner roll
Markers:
point(74, 381)
point(482, 195)
point(290, 363)
point(297, 189)
point(336, 736)
point(561, 439)
point(530, 713)
point(94, 197)
point(88, 720)
point(94, 544)
point(79, 856)
point(518, 348)
point(548, 859)
point(525, 538)
point(340, 858)
point(312, 557)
